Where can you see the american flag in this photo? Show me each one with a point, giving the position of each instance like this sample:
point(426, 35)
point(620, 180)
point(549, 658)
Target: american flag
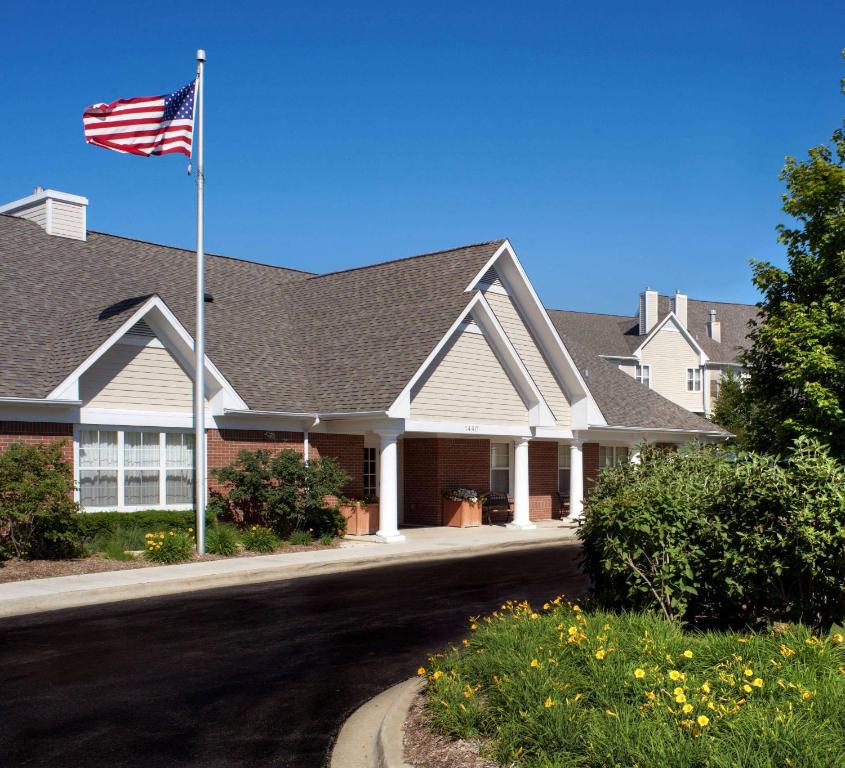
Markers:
point(145, 125)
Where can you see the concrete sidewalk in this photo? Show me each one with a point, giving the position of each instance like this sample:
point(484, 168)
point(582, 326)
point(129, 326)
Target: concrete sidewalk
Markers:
point(23, 597)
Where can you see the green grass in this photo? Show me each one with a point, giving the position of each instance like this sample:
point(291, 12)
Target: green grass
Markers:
point(222, 539)
point(113, 545)
point(563, 687)
point(301, 538)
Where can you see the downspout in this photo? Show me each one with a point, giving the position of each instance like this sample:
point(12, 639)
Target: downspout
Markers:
point(306, 442)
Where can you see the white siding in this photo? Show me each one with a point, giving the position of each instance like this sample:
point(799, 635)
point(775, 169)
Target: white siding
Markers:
point(531, 356)
point(629, 368)
point(468, 383)
point(68, 220)
point(137, 378)
point(38, 214)
point(669, 354)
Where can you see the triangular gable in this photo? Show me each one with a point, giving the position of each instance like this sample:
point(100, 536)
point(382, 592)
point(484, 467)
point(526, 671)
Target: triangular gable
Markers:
point(672, 319)
point(479, 319)
point(155, 315)
point(516, 284)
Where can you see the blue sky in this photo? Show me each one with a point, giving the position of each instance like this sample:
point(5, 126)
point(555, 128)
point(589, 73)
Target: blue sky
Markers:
point(616, 144)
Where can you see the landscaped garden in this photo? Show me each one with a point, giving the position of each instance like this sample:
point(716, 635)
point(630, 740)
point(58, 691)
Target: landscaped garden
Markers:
point(271, 503)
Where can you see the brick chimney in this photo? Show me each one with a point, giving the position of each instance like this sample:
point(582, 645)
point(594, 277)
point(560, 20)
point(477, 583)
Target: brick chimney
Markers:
point(648, 311)
point(679, 307)
point(714, 327)
point(57, 213)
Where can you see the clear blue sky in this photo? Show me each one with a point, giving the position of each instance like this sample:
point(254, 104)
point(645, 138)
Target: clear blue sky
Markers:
point(617, 144)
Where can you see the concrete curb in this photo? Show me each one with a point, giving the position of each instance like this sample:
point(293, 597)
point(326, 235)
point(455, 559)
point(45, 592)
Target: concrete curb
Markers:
point(39, 595)
point(373, 737)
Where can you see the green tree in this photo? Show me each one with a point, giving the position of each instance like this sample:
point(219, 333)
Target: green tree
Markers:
point(796, 361)
point(731, 408)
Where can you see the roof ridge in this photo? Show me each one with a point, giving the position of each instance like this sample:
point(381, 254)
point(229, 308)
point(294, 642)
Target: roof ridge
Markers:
point(709, 301)
point(188, 250)
point(602, 314)
point(406, 258)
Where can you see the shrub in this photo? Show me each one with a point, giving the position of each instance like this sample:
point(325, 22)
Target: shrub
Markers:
point(301, 538)
point(257, 538)
point(169, 546)
point(222, 540)
point(709, 535)
point(563, 687)
point(326, 521)
point(93, 524)
point(280, 491)
point(327, 539)
point(38, 517)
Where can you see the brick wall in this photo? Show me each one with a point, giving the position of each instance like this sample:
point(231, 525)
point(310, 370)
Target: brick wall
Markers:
point(590, 457)
point(37, 433)
point(225, 444)
point(542, 480)
point(434, 464)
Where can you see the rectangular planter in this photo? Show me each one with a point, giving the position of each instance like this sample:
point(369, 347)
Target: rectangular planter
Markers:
point(361, 519)
point(461, 514)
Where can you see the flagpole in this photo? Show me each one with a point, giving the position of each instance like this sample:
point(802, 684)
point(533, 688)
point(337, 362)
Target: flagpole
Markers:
point(200, 484)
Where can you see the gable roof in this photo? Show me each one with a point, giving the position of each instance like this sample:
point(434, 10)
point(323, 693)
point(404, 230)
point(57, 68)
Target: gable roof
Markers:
point(286, 340)
point(623, 401)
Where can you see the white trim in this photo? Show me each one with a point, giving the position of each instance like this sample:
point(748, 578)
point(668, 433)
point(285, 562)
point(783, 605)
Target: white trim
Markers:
point(168, 320)
point(702, 355)
point(467, 429)
point(169, 419)
point(658, 430)
point(44, 194)
point(55, 403)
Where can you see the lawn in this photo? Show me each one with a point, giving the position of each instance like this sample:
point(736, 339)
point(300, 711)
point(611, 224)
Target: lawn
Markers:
point(561, 686)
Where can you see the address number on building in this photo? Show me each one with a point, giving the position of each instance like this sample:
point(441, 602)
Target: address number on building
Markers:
point(470, 427)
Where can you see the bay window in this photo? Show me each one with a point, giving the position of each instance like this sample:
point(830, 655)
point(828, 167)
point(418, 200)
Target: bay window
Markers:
point(135, 468)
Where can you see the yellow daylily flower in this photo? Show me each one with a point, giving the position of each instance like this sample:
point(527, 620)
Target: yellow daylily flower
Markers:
point(421, 671)
point(703, 720)
point(674, 674)
point(705, 687)
point(639, 673)
point(549, 703)
point(687, 654)
point(601, 653)
point(757, 682)
point(534, 664)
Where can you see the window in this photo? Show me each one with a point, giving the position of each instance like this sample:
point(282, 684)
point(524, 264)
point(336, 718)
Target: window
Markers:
point(612, 455)
point(693, 379)
point(500, 468)
point(121, 469)
point(643, 374)
point(370, 472)
point(98, 468)
point(564, 457)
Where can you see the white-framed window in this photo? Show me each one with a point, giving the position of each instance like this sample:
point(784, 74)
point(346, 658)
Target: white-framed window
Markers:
point(612, 455)
point(643, 374)
point(135, 469)
point(693, 379)
point(370, 472)
point(564, 463)
point(500, 468)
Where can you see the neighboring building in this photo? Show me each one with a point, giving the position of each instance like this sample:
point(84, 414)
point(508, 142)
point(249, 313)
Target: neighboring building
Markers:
point(417, 374)
point(676, 346)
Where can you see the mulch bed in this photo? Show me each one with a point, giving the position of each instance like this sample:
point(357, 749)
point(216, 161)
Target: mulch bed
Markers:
point(426, 749)
point(24, 570)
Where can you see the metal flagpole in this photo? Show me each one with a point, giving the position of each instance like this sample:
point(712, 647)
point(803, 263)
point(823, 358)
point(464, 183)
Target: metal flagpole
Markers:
point(199, 342)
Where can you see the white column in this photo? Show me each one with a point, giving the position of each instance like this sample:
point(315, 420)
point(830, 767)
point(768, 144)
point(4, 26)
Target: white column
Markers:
point(521, 517)
point(576, 481)
point(388, 489)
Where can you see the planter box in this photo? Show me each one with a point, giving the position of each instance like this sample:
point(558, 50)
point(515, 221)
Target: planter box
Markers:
point(461, 514)
point(361, 519)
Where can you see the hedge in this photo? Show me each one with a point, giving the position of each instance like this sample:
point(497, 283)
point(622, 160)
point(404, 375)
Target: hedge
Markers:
point(92, 524)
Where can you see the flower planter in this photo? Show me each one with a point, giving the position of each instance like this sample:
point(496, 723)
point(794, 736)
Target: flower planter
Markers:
point(361, 519)
point(461, 514)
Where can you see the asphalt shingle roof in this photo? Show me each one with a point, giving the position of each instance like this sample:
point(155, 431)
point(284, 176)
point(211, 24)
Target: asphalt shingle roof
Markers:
point(287, 340)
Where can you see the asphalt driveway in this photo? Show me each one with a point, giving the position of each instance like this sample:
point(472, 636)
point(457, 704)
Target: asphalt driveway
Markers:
point(258, 675)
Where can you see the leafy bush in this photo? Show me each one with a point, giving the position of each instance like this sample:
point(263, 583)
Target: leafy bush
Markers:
point(222, 540)
point(563, 687)
point(169, 546)
point(327, 521)
point(708, 535)
point(38, 517)
point(93, 524)
point(115, 545)
point(301, 538)
point(257, 538)
point(280, 491)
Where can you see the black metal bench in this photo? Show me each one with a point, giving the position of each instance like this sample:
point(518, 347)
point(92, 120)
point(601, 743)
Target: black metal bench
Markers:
point(496, 503)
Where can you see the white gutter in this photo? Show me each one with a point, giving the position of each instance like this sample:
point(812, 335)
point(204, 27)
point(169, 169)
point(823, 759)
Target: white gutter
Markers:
point(599, 427)
point(305, 415)
point(39, 401)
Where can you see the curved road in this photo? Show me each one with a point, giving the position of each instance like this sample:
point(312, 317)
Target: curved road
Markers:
point(259, 675)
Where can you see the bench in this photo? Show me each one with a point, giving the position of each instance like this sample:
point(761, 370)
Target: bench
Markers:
point(497, 503)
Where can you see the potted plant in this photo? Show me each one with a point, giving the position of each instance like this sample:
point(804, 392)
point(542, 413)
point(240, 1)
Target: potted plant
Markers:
point(461, 508)
point(362, 515)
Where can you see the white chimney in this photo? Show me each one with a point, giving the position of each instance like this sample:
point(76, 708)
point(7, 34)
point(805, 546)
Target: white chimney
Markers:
point(57, 213)
point(714, 327)
point(679, 307)
point(648, 311)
